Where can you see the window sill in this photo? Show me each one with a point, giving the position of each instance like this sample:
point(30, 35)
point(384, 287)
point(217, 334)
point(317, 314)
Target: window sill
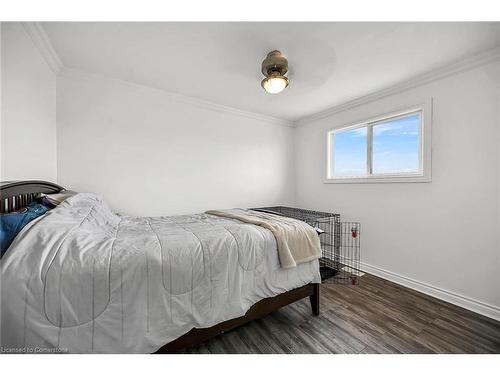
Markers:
point(377, 179)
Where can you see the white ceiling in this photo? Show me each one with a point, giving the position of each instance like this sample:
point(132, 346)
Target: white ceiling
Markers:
point(330, 63)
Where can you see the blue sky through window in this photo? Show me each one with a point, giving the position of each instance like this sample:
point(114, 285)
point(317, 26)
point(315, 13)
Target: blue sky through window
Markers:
point(350, 153)
point(396, 145)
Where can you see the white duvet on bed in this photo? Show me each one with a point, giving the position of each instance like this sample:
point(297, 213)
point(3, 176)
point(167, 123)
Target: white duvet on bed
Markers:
point(84, 279)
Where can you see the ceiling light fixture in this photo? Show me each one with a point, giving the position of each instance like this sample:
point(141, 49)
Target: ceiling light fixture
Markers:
point(274, 67)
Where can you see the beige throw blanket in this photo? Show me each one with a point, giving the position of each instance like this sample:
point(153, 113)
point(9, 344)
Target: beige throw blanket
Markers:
point(297, 241)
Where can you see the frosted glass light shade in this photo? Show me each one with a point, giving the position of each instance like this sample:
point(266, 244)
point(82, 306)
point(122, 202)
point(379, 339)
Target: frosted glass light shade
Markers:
point(274, 84)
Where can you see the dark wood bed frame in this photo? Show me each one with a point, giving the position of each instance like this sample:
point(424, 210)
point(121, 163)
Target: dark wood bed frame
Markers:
point(15, 195)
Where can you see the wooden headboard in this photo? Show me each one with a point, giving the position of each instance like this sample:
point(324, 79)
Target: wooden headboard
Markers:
point(15, 195)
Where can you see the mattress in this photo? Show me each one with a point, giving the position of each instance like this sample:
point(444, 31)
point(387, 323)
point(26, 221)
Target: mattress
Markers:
point(82, 279)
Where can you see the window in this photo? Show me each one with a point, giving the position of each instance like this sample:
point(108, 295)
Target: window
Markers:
point(385, 149)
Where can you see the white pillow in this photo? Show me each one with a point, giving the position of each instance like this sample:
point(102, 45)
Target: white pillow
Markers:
point(57, 198)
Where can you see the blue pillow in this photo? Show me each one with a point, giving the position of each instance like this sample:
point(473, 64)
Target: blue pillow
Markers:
point(11, 224)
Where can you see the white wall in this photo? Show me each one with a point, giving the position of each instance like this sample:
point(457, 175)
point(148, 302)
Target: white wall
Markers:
point(28, 111)
point(150, 153)
point(498, 185)
point(443, 235)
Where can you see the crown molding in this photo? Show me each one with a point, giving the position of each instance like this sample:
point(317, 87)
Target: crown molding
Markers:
point(42, 42)
point(87, 76)
point(431, 76)
point(44, 45)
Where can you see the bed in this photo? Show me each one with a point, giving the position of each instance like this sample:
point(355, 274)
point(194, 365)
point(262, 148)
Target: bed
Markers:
point(84, 279)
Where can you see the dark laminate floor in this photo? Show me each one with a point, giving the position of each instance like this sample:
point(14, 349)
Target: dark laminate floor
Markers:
point(375, 317)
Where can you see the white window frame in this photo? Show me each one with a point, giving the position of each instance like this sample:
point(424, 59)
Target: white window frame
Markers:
point(424, 172)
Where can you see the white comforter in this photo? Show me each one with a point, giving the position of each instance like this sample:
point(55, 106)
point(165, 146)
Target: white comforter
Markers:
point(83, 279)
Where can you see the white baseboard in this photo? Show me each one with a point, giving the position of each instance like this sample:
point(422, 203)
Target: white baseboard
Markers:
point(451, 297)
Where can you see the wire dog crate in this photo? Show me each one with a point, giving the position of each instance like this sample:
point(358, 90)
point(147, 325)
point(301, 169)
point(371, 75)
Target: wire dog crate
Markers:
point(340, 242)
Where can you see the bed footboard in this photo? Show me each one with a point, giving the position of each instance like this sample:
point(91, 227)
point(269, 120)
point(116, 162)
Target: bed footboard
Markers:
point(259, 310)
